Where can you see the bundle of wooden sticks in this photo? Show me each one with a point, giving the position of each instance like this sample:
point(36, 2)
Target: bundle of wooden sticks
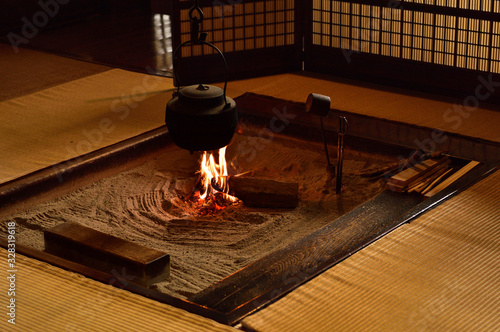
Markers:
point(427, 177)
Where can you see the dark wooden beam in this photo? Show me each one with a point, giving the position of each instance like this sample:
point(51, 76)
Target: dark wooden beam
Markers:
point(145, 266)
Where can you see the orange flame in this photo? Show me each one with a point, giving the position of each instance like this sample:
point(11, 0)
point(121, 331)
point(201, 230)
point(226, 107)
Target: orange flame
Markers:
point(213, 174)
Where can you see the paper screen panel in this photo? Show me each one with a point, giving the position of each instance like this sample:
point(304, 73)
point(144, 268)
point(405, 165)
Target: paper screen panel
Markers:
point(256, 37)
point(463, 39)
point(242, 26)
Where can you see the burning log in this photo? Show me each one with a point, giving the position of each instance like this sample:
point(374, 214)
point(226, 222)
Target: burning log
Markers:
point(265, 193)
point(218, 190)
point(212, 195)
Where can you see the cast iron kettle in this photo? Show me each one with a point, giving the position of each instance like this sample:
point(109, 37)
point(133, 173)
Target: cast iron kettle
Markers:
point(201, 117)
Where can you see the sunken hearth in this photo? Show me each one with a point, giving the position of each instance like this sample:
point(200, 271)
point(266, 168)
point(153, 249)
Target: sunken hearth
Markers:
point(228, 261)
point(151, 205)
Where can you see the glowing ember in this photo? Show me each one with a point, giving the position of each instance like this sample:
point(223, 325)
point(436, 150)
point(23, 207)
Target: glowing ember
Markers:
point(214, 191)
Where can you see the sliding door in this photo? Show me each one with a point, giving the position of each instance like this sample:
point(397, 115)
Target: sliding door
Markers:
point(443, 46)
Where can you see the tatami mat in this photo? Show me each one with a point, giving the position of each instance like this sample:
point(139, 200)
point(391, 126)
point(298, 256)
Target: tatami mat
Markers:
point(441, 272)
point(25, 71)
point(48, 298)
point(74, 118)
point(447, 114)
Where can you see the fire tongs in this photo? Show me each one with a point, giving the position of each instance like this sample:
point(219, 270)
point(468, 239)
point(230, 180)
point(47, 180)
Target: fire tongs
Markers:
point(342, 127)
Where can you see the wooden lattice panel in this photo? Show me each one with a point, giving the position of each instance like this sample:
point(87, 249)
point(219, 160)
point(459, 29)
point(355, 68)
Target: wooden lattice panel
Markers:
point(242, 26)
point(461, 39)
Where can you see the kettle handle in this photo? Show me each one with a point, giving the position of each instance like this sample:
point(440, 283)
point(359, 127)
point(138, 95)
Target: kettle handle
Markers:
point(176, 78)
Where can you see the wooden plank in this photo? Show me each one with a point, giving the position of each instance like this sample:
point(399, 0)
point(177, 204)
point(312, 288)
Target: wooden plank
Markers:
point(107, 253)
point(455, 176)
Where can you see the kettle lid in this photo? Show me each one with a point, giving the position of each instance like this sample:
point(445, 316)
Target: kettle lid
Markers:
point(202, 95)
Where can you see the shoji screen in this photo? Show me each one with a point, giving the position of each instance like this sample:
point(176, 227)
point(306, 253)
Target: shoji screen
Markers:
point(256, 37)
point(438, 45)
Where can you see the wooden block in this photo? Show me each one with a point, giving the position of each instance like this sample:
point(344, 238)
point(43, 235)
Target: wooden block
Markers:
point(133, 262)
point(394, 187)
point(265, 193)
